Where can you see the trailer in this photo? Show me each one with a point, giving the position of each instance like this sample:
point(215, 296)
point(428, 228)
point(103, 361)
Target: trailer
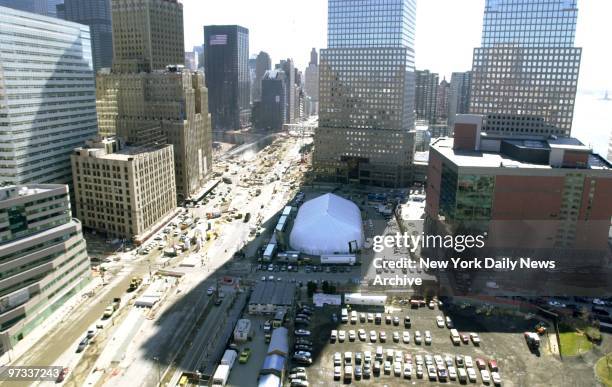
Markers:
point(269, 252)
point(229, 357)
point(243, 331)
point(221, 375)
point(365, 299)
point(338, 259)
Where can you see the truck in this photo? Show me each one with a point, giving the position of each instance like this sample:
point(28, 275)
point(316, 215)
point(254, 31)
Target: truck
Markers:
point(134, 283)
point(221, 375)
point(338, 259)
point(455, 338)
point(533, 340)
point(229, 357)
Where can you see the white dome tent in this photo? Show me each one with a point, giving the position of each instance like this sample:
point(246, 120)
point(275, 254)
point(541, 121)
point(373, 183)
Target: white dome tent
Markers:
point(326, 225)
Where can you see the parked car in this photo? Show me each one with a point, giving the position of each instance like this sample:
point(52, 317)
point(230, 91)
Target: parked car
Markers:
point(82, 345)
point(440, 321)
point(406, 337)
point(301, 332)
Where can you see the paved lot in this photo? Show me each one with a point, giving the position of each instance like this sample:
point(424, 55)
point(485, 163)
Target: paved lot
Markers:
point(518, 366)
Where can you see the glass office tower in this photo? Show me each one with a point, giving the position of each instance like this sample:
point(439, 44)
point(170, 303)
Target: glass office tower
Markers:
point(525, 74)
point(366, 108)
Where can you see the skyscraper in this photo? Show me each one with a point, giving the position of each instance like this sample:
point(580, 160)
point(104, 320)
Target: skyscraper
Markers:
point(459, 95)
point(366, 93)
point(289, 69)
point(43, 254)
point(227, 76)
point(147, 34)
point(314, 57)
point(41, 7)
point(262, 64)
point(47, 96)
point(526, 72)
point(426, 95)
point(442, 101)
point(164, 106)
point(312, 83)
point(97, 15)
point(271, 112)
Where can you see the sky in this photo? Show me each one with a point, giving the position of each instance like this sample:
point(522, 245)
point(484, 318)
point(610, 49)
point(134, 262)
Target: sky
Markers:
point(446, 32)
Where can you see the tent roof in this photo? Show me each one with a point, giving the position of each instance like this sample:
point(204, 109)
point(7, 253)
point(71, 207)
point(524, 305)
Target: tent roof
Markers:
point(326, 225)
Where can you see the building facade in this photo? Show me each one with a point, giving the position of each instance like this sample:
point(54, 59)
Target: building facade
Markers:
point(366, 94)
point(263, 63)
point(271, 109)
point(442, 101)
point(426, 95)
point(290, 100)
point(41, 7)
point(97, 15)
point(525, 74)
point(459, 95)
point(47, 96)
point(123, 192)
point(227, 76)
point(162, 107)
point(311, 86)
point(43, 257)
point(147, 34)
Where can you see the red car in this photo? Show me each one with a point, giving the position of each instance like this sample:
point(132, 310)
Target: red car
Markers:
point(62, 375)
point(493, 365)
point(465, 338)
point(481, 364)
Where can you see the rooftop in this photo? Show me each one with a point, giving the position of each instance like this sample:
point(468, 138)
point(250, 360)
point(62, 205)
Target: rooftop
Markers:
point(19, 191)
point(273, 292)
point(469, 158)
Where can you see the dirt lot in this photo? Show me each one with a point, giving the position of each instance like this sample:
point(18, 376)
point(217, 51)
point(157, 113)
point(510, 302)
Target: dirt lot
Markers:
point(502, 340)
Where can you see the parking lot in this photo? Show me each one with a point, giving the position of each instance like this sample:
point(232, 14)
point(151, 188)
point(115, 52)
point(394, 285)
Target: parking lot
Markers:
point(506, 347)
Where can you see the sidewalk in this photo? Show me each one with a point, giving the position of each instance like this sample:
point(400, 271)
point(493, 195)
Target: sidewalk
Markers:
point(51, 322)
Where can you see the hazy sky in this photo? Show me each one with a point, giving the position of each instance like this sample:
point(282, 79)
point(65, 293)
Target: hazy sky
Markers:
point(446, 34)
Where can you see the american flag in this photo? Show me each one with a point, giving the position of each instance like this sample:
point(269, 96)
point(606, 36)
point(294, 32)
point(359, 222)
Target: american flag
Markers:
point(218, 40)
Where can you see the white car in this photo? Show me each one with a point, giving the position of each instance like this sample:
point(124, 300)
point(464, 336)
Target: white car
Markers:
point(337, 372)
point(351, 335)
point(397, 368)
point(471, 374)
point(341, 336)
point(440, 321)
point(418, 359)
point(362, 334)
point(496, 378)
point(367, 357)
point(396, 337)
point(373, 336)
point(407, 371)
point(419, 371)
point(210, 291)
point(486, 376)
point(449, 322)
point(439, 361)
point(427, 337)
point(406, 337)
point(417, 337)
point(399, 356)
point(337, 359)
point(452, 373)
point(382, 336)
point(448, 360)
point(469, 363)
point(428, 360)
point(370, 317)
point(432, 373)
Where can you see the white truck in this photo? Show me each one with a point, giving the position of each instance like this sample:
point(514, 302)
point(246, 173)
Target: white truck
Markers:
point(221, 375)
point(229, 358)
point(338, 259)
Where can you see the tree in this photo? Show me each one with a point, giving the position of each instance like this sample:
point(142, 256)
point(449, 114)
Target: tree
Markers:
point(311, 288)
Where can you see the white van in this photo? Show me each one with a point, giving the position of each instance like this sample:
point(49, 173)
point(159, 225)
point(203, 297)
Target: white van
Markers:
point(344, 315)
point(454, 335)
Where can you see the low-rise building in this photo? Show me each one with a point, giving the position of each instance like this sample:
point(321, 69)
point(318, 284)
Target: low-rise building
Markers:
point(243, 330)
point(43, 257)
point(269, 296)
point(124, 192)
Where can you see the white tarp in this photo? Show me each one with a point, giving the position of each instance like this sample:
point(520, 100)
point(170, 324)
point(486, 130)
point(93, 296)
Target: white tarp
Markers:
point(326, 225)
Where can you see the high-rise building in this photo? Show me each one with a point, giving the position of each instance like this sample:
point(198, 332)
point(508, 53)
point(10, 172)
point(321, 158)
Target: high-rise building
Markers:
point(262, 64)
point(199, 52)
point(191, 61)
point(252, 65)
point(442, 101)
point(43, 254)
point(525, 74)
point(227, 76)
point(147, 34)
point(122, 191)
point(289, 69)
point(426, 95)
point(47, 96)
point(366, 93)
point(271, 109)
point(459, 95)
point(314, 57)
point(610, 148)
point(41, 7)
point(97, 15)
point(162, 107)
